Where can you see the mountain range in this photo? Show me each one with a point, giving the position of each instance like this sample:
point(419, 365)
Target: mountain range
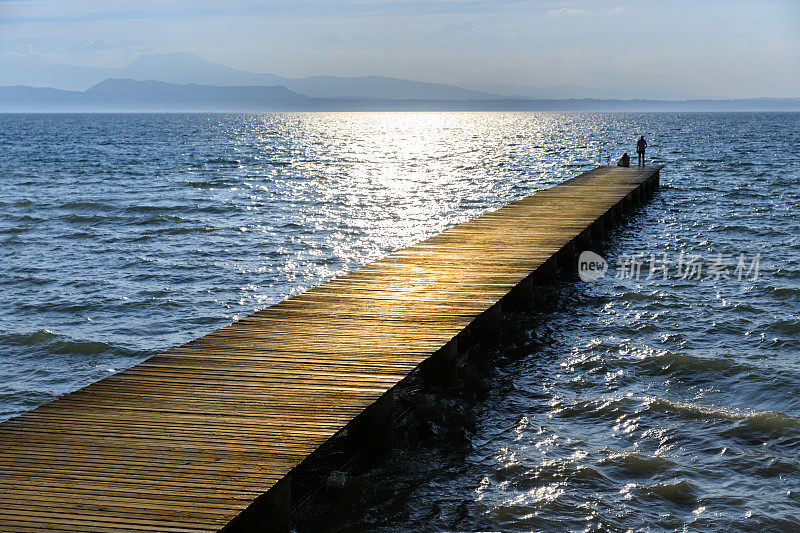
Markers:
point(187, 68)
point(184, 82)
point(115, 95)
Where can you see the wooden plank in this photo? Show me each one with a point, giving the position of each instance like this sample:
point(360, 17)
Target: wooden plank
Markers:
point(187, 439)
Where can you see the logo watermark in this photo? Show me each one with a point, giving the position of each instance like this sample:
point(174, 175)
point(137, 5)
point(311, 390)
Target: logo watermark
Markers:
point(592, 266)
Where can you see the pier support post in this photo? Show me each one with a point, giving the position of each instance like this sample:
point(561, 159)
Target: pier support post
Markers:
point(608, 220)
point(583, 240)
point(617, 210)
point(654, 182)
point(596, 230)
point(626, 204)
point(373, 429)
point(519, 298)
point(547, 272)
point(638, 195)
point(566, 257)
point(440, 368)
point(491, 324)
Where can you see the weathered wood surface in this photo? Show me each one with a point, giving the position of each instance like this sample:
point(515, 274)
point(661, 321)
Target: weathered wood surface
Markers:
point(187, 439)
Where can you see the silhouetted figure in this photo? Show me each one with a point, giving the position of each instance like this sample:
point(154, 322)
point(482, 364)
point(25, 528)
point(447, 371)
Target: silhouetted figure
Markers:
point(640, 148)
point(624, 161)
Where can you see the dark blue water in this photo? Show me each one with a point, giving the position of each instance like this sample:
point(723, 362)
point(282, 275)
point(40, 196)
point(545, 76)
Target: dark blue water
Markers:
point(642, 404)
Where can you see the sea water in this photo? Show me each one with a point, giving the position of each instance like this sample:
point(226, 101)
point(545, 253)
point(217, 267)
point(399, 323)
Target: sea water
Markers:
point(650, 399)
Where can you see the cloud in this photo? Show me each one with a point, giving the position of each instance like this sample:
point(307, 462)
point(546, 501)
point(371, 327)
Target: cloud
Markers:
point(459, 28)
point(104, 45)
point(23, 51)
point(96, 52)
point(567, 12)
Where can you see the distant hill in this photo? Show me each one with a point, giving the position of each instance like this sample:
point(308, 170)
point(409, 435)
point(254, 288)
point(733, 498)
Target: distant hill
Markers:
point(137, 96)
point(186, 68)
point(37, 73)
point(157, 95)
point(381, 87)
point(132, 95)
point(564, 92)
point(19, 98)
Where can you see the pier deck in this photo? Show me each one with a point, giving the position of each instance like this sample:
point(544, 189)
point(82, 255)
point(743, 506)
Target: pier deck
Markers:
point(186, 440)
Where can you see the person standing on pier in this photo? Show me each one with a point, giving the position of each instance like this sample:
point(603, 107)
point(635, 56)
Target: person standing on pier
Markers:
point(640, 147)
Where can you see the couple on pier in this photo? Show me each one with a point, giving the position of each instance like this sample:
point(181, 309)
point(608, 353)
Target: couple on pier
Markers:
point(625, 160)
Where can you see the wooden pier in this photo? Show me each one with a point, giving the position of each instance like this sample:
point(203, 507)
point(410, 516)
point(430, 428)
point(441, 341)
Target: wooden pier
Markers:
point(189, 439)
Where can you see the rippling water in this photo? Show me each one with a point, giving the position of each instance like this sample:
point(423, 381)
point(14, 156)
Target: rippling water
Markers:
point(621, 404)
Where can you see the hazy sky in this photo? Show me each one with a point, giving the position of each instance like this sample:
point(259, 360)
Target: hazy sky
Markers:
point(721, 48)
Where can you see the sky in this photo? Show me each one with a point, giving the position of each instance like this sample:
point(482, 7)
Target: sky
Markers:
point(706, 48)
